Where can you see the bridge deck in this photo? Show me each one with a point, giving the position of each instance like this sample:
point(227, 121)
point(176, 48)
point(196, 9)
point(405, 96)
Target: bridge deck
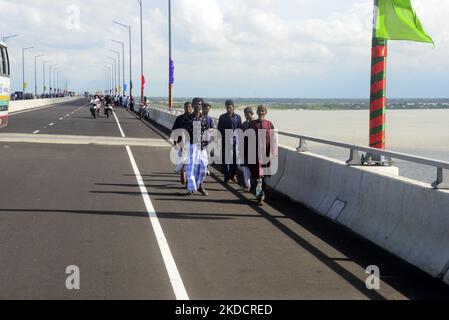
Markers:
point(64, 203)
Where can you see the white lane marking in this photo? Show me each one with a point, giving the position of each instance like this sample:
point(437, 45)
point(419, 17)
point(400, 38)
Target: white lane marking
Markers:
point(38, 108)
point(37, 131)
point(61, 119)
point(169, 261)
point(51, 124)
point(170, 264)
point(67, 115)
point(119, 126)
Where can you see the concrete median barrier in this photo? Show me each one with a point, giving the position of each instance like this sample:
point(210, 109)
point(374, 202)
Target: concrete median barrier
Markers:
point(23, 105)
point(405, 217)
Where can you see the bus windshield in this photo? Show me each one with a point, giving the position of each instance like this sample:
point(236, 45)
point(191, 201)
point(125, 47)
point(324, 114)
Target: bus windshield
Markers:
point(4, 85)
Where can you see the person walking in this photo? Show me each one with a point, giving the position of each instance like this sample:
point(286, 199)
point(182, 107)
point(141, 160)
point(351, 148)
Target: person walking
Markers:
point(259, 170)
point(179, 124)
point(249, 116)
point(197, 160)
point(229, 121)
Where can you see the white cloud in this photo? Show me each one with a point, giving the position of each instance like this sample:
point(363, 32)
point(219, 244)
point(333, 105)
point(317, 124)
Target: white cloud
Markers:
point(223, 46)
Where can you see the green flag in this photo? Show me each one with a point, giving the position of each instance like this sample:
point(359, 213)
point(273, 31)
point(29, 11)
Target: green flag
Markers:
point(396, 20)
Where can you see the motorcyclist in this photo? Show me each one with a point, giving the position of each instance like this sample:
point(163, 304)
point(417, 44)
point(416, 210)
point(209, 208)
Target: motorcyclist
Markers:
point(108, 105)
point(93, 106)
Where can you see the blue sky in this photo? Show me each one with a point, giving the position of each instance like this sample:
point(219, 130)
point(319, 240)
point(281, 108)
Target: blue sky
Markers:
point(231, 48)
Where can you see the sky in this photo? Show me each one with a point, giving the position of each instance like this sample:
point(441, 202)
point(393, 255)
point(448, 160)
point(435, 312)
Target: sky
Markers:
point(228, 48)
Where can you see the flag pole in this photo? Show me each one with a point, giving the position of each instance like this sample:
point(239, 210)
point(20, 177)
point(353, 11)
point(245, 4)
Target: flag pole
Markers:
point(378, 100)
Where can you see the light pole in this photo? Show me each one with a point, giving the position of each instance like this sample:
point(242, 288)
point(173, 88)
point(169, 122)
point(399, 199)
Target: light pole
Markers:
point(57, 81)
point(23, 67)
point(130, 57)
point(141, 52)
point(111, 67)
point(107, 72)
point(123, 58)
point(43, 75)
point(54, 80)
point(49, 78)
point(115, 73)
point(170, 63)
point(109, 86)
point(118, 68)
point(9, 37)
point(35, 73)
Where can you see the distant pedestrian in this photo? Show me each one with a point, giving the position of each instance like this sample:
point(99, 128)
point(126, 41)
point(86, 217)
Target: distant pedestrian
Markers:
point(180, 124)
point(197, 162)
point(229, 121)
point(258, 170)
point(131, 104)
point(206, 110)
point(249, 116)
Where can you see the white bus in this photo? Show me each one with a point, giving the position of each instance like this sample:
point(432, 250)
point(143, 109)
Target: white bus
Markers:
point(4, 84)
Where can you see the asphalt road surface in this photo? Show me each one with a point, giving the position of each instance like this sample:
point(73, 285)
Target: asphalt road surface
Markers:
point(75, 191)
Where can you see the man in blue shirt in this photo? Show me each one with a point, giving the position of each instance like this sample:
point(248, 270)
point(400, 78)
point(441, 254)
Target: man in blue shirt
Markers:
point(229, 121)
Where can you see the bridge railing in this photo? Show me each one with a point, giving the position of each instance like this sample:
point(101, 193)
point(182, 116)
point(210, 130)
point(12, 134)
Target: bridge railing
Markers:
point(371, 156)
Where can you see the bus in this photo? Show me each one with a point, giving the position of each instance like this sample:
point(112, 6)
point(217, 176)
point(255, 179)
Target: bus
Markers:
point(4, 84)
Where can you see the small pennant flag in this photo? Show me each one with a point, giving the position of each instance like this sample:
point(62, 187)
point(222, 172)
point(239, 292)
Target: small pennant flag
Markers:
point(396, 20)
point(172, 72)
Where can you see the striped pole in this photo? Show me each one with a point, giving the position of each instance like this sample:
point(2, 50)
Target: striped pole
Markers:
point(378, 99)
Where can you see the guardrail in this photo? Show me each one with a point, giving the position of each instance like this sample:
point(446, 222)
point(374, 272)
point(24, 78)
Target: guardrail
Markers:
point(357, 159)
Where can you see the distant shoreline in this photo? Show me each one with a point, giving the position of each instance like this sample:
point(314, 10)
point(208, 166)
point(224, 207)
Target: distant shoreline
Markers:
point(320, 104)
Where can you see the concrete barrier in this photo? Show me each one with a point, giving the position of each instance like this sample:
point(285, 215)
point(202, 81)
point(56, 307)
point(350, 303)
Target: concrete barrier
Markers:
point(405, 217)
point(163, 118)
point(22, 105)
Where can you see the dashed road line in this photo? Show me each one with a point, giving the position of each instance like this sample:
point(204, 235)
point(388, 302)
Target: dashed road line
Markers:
point(36, 132)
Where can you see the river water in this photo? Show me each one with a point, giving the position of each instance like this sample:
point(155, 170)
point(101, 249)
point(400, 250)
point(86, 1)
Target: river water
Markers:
point(417, 132)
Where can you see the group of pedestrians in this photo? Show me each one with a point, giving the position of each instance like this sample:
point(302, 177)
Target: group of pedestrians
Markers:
point(194, 154)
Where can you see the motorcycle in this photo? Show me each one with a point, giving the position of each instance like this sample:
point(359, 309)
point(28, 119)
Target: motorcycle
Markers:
point(98, 109)
point(93, 110)
point(108, 110)
point(142, 111)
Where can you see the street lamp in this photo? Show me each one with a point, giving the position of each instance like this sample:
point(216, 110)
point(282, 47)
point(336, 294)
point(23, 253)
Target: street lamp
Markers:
point(9, 37)
point(109, 86)
point(171, 67)
point(123, 58)
point(130, 57)
point(118, 69)
point(107, 72)
point(35, 73)
point(115, 73)
point(23, 67)
point(50, 75)
point(43, 75)
point(55, 74)
point(141, 52)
